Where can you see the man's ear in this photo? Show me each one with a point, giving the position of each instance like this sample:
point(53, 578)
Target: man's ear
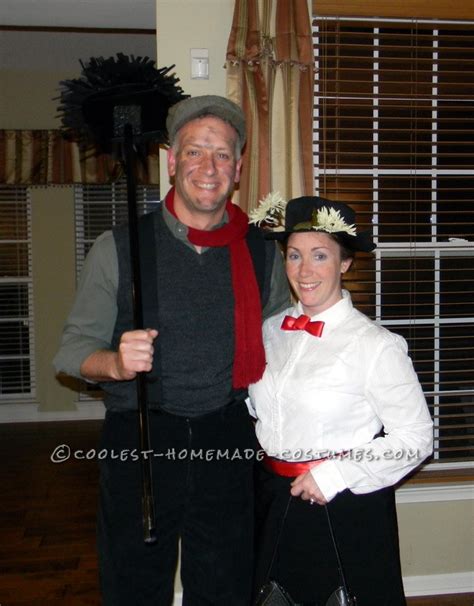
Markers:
point(171, 158)
point(238, 168)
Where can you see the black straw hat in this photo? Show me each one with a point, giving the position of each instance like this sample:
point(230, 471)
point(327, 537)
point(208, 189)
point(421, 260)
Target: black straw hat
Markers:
point(311, 213)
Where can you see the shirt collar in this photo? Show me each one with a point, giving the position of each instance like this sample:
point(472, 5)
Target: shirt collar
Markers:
point(333, 316)
point(180, 230)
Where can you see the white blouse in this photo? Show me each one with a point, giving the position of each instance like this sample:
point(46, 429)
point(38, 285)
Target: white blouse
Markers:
point(322, 396)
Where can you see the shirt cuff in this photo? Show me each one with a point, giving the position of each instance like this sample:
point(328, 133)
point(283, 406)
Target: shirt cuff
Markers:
point(329, 479)
point(250, 408)
point(70, 357)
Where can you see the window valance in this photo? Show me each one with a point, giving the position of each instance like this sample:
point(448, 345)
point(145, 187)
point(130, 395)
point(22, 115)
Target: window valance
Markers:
point(44, 157)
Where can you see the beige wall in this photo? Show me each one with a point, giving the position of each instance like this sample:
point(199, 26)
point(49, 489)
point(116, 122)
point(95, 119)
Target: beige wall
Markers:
point(53, 286)
point(27, 98)
point(201, 24)
point(436, 538)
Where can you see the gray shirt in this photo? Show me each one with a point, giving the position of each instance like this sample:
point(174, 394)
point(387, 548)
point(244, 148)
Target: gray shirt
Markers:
point(90, 324)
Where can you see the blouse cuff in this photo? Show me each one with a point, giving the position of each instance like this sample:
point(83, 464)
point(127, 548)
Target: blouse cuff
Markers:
point(329, 479)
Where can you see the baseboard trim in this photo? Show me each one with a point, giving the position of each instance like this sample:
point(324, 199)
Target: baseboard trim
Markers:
point(439, 584)
point(427, 585)
point(435, 493)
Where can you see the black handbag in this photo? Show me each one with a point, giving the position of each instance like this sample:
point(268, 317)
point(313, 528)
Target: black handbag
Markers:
point(341, 597)
point(273, 594)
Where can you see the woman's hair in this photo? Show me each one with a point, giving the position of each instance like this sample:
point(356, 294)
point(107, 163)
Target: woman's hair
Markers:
point(346, 252)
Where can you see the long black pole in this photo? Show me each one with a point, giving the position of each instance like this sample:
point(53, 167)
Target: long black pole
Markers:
point(144, 430)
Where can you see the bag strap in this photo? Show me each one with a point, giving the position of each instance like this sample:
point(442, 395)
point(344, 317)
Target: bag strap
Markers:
point(338, 558)
point(349, 601)
point(277, 542)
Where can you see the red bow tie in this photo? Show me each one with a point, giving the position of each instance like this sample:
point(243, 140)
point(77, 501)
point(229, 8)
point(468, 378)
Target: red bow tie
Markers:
point(303, 323)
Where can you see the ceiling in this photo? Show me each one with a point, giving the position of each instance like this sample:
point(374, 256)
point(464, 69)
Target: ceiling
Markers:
point(130, 14)
point(55, 42)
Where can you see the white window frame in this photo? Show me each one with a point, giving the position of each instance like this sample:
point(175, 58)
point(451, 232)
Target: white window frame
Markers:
point(435, 249)
point(21, 195)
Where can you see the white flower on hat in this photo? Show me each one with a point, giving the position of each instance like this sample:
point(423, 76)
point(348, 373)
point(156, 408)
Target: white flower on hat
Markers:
point(330, 221)
point(270, 211)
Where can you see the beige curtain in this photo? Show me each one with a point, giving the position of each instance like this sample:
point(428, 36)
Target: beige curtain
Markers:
point(44, 157)
point(270, 73)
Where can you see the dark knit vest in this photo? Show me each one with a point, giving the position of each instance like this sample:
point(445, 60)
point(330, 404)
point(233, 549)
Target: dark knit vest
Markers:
point(188, 298)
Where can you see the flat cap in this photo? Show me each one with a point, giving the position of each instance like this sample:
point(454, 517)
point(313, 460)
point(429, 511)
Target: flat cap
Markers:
point(206, 105)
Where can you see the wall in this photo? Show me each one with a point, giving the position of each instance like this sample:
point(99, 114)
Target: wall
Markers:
point(456, 551)
point(201, 24)
point(53, 286)
point(32, 64)
point(436, 544)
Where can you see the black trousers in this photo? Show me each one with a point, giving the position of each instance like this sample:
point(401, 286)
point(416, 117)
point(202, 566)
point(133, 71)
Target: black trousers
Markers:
point(203, 488)
point(305, 563)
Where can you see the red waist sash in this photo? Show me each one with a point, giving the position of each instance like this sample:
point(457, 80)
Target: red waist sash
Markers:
point(288, 469)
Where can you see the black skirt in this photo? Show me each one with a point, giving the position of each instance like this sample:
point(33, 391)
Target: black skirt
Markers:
point(305, 563)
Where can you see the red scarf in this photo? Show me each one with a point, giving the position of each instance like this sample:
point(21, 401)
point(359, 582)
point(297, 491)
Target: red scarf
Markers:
point(249, 354)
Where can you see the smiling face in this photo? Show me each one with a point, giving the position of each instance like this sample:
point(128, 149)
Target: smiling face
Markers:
point(204, 163)
point(314, 267)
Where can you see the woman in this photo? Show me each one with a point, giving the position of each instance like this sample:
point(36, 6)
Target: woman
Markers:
point(341, 417)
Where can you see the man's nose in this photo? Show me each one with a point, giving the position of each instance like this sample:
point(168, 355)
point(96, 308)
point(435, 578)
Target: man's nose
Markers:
point(209, 165)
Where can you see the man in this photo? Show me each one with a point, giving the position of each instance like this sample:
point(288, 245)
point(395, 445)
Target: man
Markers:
point(205, 276)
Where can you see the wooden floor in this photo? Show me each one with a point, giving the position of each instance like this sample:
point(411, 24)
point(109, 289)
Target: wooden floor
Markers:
point(47, 519)
point(47, 516)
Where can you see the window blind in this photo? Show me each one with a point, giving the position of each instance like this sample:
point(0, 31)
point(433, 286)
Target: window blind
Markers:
point(17, 370)
point(99, 208)
point(394, 138)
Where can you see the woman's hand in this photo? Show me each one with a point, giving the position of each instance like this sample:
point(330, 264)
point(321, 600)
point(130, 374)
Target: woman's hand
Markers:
point(305, 486)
